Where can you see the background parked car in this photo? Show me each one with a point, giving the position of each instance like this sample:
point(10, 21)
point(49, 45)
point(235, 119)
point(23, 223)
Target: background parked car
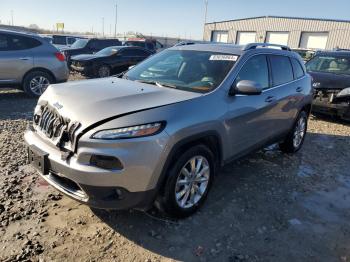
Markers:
point(108, 61)
point(64, 40)
point(306, 54)
point(88, 46)
point(30, 62)
point(331, 80)
point(149, 44)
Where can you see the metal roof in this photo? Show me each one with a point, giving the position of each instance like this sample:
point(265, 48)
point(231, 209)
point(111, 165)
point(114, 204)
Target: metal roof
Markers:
point(285, 17)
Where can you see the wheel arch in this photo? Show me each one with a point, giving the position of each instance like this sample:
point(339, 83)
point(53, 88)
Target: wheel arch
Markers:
point(211, 139)
point(38, 69)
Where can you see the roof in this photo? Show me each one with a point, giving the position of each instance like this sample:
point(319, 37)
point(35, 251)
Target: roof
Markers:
point(19, 32)
point(334, 53)
point(212, 47)
point(232, 48)
point(284, 17)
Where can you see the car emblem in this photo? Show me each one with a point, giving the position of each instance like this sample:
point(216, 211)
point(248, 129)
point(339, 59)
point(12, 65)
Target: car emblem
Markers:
point(57, 105)
point(316, 84)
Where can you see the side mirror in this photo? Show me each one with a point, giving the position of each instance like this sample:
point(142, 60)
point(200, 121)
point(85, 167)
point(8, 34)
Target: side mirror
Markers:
point(246, 87)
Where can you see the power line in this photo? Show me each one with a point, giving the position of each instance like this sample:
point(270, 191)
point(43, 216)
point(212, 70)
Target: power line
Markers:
point(116, 16)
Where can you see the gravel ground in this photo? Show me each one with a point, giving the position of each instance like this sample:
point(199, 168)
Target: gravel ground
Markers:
point(266, 207)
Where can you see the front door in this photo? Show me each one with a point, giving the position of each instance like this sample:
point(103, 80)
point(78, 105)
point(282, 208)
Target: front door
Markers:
point(250, 115)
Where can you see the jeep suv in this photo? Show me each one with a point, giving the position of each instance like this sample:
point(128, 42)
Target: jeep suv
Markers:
point(160, 133)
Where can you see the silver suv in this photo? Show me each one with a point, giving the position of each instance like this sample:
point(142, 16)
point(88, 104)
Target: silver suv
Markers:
point(30, 62)
point(161, 132)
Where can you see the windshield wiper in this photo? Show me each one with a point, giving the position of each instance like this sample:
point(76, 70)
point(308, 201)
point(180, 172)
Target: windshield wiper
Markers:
point(157, 83)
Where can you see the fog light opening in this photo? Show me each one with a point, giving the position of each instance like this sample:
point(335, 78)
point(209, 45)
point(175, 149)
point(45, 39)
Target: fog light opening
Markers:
point(106, 162)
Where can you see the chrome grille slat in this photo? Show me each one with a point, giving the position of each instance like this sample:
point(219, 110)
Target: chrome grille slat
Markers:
point(51, 123)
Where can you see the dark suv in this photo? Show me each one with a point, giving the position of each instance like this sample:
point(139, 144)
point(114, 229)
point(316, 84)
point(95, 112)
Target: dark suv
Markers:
point(331, 80)
point(88, 46)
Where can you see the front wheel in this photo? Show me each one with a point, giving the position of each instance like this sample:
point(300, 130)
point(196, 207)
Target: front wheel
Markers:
point(103, 71)
point(188, 183)
point(295, 138)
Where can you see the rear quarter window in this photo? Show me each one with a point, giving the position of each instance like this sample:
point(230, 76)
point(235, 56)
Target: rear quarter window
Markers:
point(281, 68)
point(297, 69)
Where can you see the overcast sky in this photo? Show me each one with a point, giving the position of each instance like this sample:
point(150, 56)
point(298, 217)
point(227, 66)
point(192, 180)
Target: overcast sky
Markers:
point(182, 18)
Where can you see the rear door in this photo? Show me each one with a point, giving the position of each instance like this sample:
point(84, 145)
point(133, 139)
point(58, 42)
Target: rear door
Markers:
point(284, 95)
point(16, 57)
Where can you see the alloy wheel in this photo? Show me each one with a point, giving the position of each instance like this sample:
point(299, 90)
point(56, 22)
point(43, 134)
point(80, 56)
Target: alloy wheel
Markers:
point(103, 71)
point(38, 85)
point(299, 132)
point(192, 182)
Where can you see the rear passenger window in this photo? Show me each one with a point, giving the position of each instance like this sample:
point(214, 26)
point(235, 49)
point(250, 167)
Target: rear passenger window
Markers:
point(282, 71)
point(297, 69)
point(4, 43)
point(255, 69)
point(15, 42)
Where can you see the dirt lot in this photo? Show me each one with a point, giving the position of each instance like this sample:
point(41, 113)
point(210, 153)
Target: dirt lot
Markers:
point(266, 207)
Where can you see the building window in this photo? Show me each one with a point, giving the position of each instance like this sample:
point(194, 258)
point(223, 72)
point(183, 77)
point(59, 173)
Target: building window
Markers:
point(279, 38)
point(219, 36)
point(244, 38)
point(313, 40)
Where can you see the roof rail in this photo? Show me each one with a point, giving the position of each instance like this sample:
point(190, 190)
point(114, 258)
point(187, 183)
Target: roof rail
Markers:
point(256, 45)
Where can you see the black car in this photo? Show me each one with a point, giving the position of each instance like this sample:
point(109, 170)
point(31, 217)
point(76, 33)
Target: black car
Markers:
point(149, 44)
point(108, 61)
point(88, 46)
point(331, 80)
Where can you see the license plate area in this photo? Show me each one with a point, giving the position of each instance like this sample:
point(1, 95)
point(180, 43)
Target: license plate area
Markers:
point(38, 159)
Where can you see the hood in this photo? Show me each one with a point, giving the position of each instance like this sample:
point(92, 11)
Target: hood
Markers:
point(90, 101)
point(85, 57)
point(330, 80)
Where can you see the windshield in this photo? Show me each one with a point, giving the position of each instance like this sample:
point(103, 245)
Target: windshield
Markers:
point(79, 43)
point(329, 64)
point(196, 71)
point(108, 51)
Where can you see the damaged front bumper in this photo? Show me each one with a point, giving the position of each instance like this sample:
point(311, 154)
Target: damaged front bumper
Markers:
point(332, 102)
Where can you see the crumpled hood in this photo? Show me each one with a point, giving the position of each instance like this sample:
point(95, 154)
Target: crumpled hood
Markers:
point(90, 101)
point(330, 81)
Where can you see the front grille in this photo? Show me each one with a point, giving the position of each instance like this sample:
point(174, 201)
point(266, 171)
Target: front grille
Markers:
point(50, 122)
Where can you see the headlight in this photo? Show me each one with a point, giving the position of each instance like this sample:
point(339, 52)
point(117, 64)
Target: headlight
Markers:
point(130, 132)
point(344, 92)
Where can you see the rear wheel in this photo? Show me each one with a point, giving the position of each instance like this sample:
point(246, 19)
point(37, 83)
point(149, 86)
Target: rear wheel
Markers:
point(36, 82)
point(189, 181)
point(103, 71)
point(295, 138)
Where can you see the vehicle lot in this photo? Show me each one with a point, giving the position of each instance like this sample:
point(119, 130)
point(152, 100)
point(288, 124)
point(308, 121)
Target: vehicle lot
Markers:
point(265, 207)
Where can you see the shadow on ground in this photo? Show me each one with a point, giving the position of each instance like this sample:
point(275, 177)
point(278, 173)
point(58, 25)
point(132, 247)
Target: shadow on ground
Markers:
point(268, 206)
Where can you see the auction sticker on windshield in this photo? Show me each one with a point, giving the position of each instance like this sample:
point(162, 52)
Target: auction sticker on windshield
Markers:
point(223, 57)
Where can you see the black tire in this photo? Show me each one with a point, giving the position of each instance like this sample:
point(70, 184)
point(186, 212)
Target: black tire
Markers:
point(27, 86)
point(103, 71)
point(167, 201)
point(289, 145)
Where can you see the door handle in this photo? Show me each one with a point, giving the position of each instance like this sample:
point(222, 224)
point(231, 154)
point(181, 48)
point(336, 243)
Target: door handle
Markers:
point(24, 58)
point(299, 89)
point(270, 99)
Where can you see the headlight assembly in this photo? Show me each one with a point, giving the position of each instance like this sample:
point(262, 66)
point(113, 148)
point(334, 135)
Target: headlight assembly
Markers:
point(130, 132)
point(344, 92)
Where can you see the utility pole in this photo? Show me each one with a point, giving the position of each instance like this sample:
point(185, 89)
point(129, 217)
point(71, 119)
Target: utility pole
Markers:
point(116, 16)
point(205, 16)
point(103, 26)
point(12, 16)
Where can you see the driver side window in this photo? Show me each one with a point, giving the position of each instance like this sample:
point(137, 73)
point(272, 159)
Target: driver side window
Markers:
point(255, 69)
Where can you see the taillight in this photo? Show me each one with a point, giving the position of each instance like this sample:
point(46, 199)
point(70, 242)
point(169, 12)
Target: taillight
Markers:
point(61, 57)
